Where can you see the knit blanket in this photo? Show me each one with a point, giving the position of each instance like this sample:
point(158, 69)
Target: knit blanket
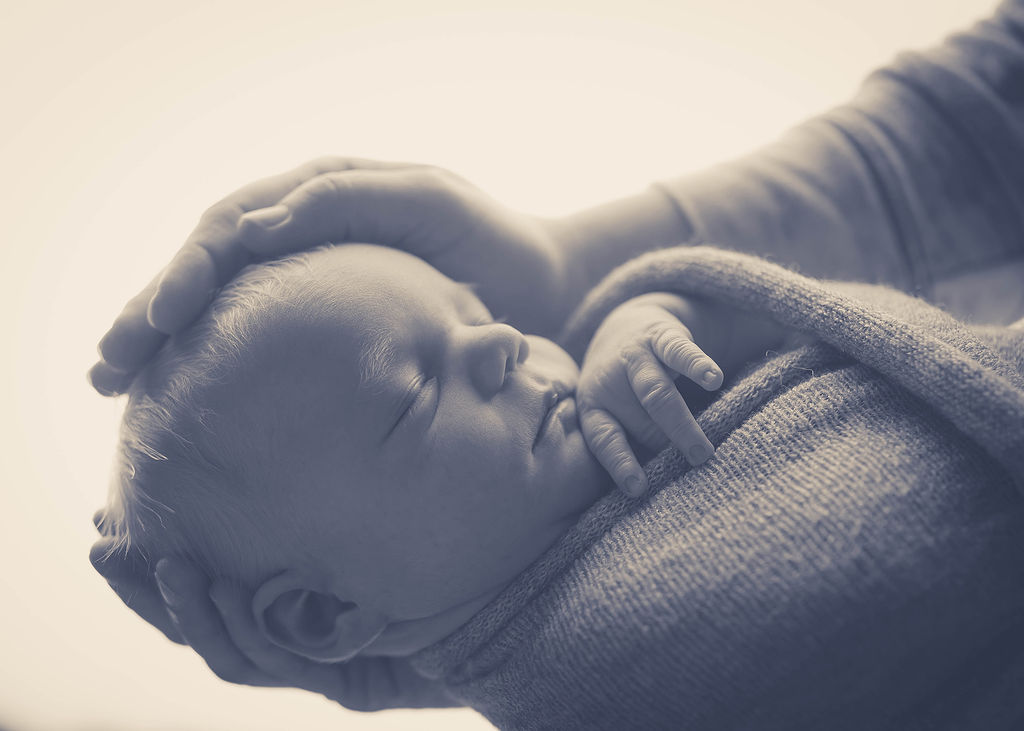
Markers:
point(853, 556)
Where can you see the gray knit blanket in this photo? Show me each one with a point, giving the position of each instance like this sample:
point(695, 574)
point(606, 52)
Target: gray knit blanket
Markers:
point(853, 556)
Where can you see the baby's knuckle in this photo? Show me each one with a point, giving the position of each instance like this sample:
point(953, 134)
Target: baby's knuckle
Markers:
point(679, 344)
point(664, 332)
point(661, 336)
point(602, 436)
point(656, 397)
point(630, 350)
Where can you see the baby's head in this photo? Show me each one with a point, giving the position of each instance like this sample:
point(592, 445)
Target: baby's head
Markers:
point(350, 434)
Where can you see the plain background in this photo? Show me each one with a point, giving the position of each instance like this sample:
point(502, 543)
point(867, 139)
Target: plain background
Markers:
point(123, 121)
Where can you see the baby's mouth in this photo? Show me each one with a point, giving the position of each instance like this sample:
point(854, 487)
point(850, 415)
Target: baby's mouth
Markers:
point(552, 397)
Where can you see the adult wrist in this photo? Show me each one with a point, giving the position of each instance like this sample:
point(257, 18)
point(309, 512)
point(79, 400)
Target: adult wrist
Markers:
point(596, 240)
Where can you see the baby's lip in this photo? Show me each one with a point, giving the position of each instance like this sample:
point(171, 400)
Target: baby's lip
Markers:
point(550, 397)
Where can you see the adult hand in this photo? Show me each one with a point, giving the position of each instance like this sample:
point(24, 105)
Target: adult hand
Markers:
point(216, 620)
point(132, 581)
point(515, 260)
point(627, 383)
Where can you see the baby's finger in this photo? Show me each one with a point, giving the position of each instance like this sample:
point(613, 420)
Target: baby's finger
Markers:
point(657, 393)
point(608, 443)
point(638, 425)
point(673, 344)
point(184, 590)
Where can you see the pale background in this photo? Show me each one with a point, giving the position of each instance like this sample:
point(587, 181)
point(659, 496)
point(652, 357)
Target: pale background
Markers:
point(123, 121)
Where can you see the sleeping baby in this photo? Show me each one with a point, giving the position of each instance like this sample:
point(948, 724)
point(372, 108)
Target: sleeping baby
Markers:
point(351, 434)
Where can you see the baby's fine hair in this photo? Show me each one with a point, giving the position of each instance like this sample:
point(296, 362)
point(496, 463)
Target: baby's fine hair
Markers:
point(186, 482)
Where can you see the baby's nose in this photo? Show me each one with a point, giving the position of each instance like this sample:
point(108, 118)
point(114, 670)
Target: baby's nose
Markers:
point(497, 351)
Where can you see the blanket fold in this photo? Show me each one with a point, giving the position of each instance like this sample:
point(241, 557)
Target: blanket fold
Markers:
point(854, 549)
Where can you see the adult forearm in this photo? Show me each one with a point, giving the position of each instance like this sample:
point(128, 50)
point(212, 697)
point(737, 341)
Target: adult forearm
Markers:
point(919, 178)
point(597, 240)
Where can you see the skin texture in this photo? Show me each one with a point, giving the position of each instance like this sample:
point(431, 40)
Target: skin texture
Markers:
point(418, 515)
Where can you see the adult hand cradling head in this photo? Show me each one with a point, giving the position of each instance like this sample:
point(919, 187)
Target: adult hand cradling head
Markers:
point(514, 259)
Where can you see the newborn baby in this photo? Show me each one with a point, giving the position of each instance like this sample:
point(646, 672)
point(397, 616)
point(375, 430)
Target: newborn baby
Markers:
point(350, 431)
point(349, 437)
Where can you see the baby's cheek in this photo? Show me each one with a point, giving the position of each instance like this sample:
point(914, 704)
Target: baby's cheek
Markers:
point(548, 359)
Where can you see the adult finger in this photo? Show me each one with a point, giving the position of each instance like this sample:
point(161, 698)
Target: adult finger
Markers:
point(131, 341)
point(212, 254)
point(235, 608)
point(365, 684)
point(184, 590)
point(658, 396)
point(109, 381)
point(674, 346)
point(608, 443)
point(379, 206)
point(133, 586)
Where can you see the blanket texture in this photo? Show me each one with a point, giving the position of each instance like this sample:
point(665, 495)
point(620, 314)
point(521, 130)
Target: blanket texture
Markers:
point(853, 557)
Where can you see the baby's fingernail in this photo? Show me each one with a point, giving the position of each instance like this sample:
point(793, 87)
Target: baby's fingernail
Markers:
point(634, 486)
point(266, 217)
point(699, 453)
point(709, 376)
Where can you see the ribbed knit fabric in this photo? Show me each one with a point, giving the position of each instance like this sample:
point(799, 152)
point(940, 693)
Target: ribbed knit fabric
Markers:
point(853, 556)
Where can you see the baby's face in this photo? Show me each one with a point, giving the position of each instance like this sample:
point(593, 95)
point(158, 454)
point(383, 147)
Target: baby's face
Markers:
point(410, 424)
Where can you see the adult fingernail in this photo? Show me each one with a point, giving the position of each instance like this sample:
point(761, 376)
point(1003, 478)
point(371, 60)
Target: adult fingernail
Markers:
point(169, 595)
point(699, 453)
point(266, 217)
point(164, 581)
point(634, 486)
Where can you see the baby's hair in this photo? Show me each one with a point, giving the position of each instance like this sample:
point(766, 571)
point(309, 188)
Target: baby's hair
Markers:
point(182, 483)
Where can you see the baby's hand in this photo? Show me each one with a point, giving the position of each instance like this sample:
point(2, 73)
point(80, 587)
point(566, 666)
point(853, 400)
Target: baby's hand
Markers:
point(627, 383)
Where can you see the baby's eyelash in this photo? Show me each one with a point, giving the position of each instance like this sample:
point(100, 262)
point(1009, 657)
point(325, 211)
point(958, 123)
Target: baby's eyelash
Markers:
point(415, 405)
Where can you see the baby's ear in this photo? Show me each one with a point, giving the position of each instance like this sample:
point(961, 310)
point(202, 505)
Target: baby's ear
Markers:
point(311, 623)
